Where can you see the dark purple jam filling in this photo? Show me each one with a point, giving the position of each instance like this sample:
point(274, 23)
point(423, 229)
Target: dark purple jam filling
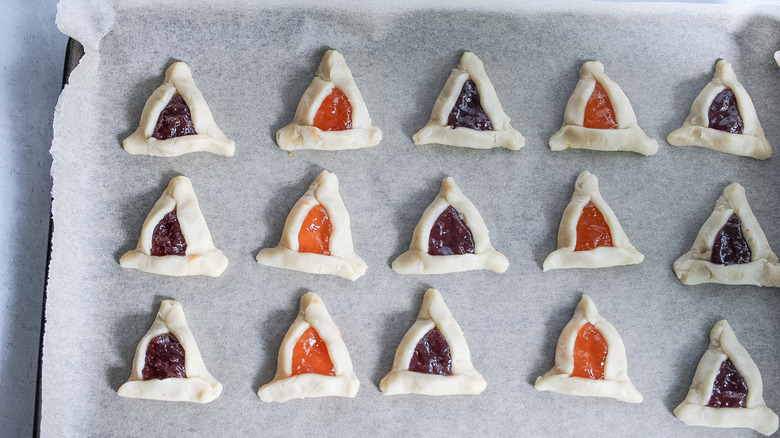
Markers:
point(164, 358)
point(724, 113)
point(432, 355)
point(729, 389)
point(468, 112)
point(730, 247)
point(167, 238)
point(450, 235)
point(174, 120)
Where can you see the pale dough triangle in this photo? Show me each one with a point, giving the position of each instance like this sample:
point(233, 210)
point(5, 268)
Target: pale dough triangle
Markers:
point(417, 260)
point(695, 267)
point(437, 129)
point(696, 131)
point(301, 134)
point(285, 386)
point(615, 383)
point(627, 137)
point(201, 256)
point(209, 138)
point(694, 411)
point(199, 386)
point(586, 189)
point(464, 378)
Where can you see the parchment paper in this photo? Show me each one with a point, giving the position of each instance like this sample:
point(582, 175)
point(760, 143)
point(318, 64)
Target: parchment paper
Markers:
point(252, 65)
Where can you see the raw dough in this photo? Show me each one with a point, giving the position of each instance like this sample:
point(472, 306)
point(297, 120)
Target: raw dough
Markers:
point(300, 134)
point(695, 130)
point(464, 379)
point(342, 260)
point(199, 386)
point(437, 129)
point(201, 257)
point(627, 137)
point(284, 386)
point(209, 138)
point(417, 260)
point(615, 383)
point(586, 189)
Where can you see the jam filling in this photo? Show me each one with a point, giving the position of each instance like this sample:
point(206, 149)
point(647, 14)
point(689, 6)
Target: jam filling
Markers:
point(724, 113)
point(468, 112)
point(598, 111)
point(315, 231)
point(592, 229)
point(335, 113)
point(164, 358)
point(590, 353)
point(310, 355)
point(729, 389)
point(730, 247)
point(432, 355)
point(167, 238)
point(174, 120)
point(450, 235)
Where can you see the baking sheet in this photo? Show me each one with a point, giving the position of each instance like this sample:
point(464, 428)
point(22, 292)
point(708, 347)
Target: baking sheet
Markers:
point(252, 64)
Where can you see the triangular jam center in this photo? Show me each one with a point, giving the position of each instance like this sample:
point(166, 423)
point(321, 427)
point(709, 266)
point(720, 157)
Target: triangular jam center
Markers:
point(467, 111)
point(729, 389)
point(432, 355)
point(592, 229)
point(310, 355)
point(730, 247)
point(167, 238)
point(590, 353)
point(599, 113)
point(174, 120)
point(724, 113)
point(450, 235)
point(315, 231)
point(164, 358)
point(335, 112)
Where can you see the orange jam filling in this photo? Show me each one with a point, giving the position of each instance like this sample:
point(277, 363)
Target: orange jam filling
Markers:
point(598, 111)
point(315, 231)
point(310, 355)
point(335, 113)
point(590, 353)
point(592, 229)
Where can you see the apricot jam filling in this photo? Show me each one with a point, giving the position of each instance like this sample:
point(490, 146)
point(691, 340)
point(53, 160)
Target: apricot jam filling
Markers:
point(592, 229)
point(174, 120)
point(167, 238)
point(729, 389)
point(432, 355)
point(315, 231)
point(335, 112)
point(164, 358)
point(450, 235)
point(598, 111)
point(590, 353)
point(310, 355)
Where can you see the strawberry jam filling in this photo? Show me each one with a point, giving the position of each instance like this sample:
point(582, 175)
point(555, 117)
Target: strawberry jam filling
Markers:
point(310, 355)
point(729, 389)
point(315, 231)
point(724, 113)
point(432, 355)
point(590, 353)
point(174, 120)
point(467, 111)
point(335, 113)
point(164, 358)
point(598, 111)
point(167, 238)
point(592, 229)
point(450, 235)
point(730, 246)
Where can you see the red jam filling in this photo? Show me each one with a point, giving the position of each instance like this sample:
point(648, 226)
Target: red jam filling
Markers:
point(592, 229)
point(724, 113)
point(468, 112)
point(315, 231)
point(164, 358)
point(174, 120)
point(450, 235)
point(730, 247)
point(598, 111)
point(729, 389)
point(310, 355)
point(590, 353)
point(432, 355)
point(335, 113)
point(167, 238)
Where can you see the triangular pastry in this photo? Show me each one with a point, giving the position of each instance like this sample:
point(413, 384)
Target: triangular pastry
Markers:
point(433, 357)
point(450, 237)
point(590, 359)
point(731, 247)
point(590, 235)
point(467, 112)
point(176, 120)
point(175, 239)
point(313, 359)
point(599, 116)
point(316, 236)
point(167, 363)
point(723, 118)
point(727, 390)
point(331, 114)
